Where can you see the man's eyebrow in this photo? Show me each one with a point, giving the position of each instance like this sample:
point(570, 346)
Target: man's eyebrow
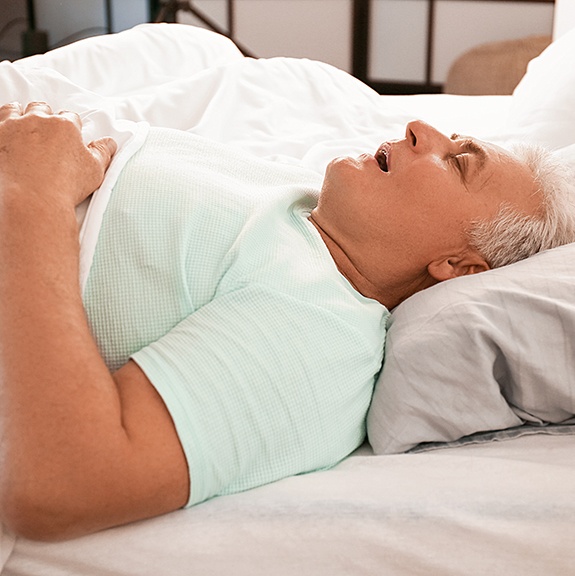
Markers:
point(471, 146)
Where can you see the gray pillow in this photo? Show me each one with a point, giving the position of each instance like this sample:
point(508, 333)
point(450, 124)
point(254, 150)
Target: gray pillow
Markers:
point(484, 352)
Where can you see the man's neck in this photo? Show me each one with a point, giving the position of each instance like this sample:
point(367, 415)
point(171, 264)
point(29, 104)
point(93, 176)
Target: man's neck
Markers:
point(390, 290)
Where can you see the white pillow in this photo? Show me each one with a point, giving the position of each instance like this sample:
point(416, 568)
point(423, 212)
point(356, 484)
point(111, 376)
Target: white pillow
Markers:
point(543, 104)
point(484, 352)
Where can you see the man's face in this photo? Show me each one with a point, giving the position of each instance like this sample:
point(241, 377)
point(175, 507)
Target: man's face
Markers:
point(413, 201)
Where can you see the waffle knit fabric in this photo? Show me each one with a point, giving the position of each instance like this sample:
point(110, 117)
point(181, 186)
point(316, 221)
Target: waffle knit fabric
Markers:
point(208, 274)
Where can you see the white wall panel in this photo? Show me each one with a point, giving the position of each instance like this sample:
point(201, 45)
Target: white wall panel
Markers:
point(316, 29)
point(215, 10)
point(398, 40)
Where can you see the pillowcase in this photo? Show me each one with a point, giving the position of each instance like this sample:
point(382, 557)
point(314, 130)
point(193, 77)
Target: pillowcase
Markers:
point(542, 107)
point(483, 352)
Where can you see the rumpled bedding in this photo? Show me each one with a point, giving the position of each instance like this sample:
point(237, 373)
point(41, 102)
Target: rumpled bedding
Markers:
point(501, 508)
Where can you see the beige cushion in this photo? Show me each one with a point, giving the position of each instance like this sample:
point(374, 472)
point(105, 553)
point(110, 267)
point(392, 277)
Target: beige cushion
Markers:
point(494, 68)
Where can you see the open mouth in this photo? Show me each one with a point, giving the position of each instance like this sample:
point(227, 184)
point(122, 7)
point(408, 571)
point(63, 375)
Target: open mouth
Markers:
point(381, 157)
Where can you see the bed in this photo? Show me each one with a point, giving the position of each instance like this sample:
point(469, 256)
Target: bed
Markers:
point(469, 464)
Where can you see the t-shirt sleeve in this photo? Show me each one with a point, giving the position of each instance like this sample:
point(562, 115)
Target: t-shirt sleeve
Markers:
point(261, 386)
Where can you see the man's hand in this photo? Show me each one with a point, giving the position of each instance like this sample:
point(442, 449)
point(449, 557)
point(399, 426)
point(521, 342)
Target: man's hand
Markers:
point(81, 449)
point(43, 157)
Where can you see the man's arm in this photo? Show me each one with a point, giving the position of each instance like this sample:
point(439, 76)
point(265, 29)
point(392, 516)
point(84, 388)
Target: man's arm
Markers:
point(80, 449)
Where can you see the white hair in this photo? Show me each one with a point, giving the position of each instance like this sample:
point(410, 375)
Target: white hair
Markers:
point(511, 236)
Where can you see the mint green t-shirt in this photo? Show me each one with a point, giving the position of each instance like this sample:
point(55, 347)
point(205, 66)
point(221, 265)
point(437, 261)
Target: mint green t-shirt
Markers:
point(208, 273)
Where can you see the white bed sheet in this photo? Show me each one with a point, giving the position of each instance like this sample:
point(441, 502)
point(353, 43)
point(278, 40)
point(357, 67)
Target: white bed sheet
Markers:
point(503, 508)
point(497, 509)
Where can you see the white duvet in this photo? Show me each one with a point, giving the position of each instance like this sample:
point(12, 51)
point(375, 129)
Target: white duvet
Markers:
point(503, 508)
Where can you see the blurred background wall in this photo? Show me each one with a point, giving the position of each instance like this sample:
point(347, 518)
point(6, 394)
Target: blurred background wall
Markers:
point(409, 43)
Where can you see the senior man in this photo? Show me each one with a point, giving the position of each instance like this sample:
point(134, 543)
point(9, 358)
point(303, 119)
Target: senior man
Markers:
point(234, 316)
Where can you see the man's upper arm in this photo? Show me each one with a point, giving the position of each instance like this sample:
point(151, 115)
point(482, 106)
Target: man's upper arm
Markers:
point(129, 470)
point(163, 476)
point(153, 479)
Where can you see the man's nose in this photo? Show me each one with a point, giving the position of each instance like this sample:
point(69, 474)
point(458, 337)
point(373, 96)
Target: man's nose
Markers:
point(422, 137)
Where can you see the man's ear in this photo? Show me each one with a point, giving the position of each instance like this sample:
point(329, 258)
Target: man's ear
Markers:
point(471, 262)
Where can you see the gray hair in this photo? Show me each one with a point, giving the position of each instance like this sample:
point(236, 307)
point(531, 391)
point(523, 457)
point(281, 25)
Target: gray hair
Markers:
point(511, 236)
